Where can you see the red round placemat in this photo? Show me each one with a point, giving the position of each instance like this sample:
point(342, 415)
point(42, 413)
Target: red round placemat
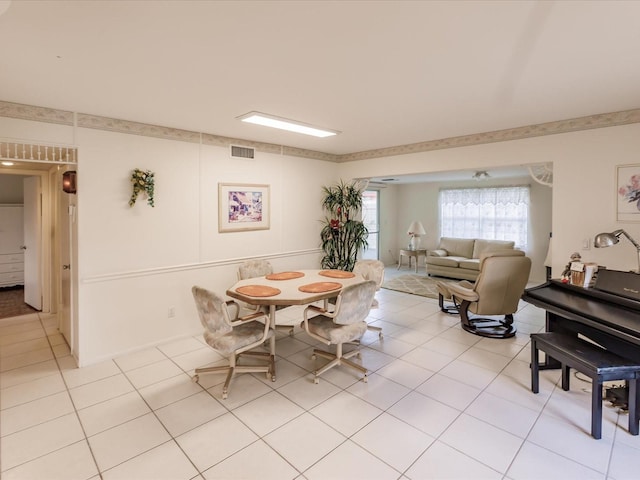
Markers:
point(258, 290)
point(337, 274)
point(284, 275)
point(320, 287)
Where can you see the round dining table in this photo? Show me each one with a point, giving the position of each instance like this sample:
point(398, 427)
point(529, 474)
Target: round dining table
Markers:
point(300, 287)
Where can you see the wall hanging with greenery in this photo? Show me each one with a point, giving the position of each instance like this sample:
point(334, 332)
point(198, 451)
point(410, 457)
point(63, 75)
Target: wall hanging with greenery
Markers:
point(142, 181)
point(343, 236)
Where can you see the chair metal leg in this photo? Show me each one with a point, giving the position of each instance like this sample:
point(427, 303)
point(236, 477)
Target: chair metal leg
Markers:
point(338, 359)
point(375, 329)
point(198, 371)
point(269, 368)
point(290, 329)
point(225, 388)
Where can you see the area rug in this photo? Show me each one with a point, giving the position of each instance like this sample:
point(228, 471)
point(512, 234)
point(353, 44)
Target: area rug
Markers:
point(416, 285)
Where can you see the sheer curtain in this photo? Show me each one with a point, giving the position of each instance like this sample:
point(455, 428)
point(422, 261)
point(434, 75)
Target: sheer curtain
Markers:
point(495, 213)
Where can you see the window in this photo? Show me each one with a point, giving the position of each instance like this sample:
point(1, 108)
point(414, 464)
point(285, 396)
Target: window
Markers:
point(370, 217)
point(499, 213)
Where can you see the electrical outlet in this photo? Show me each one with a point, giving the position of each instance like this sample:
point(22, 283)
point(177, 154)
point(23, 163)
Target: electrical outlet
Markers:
point(171, 312)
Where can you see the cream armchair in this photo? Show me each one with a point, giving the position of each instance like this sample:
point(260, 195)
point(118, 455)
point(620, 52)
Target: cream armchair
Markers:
point(497, 291)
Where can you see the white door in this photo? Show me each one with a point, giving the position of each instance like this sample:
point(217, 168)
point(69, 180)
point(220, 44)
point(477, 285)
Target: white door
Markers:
point(32, 242)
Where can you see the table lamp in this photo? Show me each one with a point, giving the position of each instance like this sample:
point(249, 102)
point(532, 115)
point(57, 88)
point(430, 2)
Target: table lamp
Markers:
point(603, 240)
point(415, 230)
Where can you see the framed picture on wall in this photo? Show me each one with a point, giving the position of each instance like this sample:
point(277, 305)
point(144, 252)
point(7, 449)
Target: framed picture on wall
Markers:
point(628, 193)
point(243, 207)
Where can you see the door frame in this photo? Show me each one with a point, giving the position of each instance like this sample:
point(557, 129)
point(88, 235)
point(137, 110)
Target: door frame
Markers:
point(45, 247)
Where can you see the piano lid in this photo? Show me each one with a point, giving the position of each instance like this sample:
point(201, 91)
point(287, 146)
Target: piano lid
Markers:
point(616, 315)
point(624, 284)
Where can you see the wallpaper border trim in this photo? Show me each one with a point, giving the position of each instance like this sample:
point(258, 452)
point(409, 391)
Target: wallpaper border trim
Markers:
point(64, 117)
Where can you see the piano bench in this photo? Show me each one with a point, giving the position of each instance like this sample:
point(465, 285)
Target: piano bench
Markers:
point(599, 364)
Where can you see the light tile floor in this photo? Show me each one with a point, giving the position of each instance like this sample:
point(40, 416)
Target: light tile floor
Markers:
point(439, 403)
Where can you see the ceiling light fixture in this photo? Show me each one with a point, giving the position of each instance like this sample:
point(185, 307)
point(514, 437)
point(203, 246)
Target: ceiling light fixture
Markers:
point(286, 124)
point(8, 164)
point(481, 175)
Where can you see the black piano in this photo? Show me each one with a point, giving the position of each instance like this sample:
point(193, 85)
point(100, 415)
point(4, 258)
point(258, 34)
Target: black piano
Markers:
point(609, 319)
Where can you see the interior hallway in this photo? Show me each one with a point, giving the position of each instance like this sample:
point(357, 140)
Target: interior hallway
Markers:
point(439, 403)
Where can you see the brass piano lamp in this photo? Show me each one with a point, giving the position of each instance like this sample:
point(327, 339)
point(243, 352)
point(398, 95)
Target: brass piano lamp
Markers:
point(603, 240)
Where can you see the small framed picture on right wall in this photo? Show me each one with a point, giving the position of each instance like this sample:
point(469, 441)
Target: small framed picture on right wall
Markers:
point(628, 193)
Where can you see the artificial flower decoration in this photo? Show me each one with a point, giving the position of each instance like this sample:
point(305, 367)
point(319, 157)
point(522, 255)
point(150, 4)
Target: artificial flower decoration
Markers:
point(142, 182)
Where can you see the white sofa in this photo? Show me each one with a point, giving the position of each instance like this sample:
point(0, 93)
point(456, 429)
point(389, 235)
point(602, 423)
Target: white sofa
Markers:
point(460, 257)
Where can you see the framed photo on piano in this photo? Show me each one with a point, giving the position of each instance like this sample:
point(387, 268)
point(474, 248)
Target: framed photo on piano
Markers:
point(628, 193)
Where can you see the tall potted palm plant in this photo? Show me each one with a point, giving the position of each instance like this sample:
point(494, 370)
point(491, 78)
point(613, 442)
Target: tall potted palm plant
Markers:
point(343, 235)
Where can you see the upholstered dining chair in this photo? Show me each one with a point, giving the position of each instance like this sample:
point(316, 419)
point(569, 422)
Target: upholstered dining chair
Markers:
point(260, 268)
point(254, 268)
point(345, 324)
point(371, 270)
point(233, 336)
point(497, 291)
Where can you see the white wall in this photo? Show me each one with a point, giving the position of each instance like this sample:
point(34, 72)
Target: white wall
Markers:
point(136, 263)
point(584, 186)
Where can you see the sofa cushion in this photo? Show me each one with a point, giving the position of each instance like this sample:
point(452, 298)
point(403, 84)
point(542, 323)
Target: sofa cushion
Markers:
point(470, 264)
point(445, 261)
point(457, 247)
point(483, 246)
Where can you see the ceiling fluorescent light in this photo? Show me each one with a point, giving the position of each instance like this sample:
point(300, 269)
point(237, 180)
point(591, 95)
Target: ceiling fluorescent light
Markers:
point(285, 124)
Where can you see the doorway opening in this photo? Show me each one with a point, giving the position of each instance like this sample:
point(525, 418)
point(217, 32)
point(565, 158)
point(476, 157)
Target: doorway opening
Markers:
point(35, 284)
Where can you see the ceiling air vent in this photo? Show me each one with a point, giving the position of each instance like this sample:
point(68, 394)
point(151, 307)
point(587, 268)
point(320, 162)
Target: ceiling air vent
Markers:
point(242, 152)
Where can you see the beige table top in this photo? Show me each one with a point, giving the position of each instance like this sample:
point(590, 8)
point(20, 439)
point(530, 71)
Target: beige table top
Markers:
point(289, 293)
point(413, 252)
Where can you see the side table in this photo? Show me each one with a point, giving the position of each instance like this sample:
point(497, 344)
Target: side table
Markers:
point(411, 253)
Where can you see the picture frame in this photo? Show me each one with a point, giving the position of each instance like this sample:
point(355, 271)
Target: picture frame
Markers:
point(243, 207)
point(628, 193)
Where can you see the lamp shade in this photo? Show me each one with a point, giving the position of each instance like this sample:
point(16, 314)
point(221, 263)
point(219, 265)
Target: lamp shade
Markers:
point(603, 240)
point(416, 229)
point(608, 239)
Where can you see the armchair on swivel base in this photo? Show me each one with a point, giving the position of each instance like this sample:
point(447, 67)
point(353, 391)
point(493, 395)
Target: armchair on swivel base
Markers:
point(346, 324)
point(233, 337)
point(498, 288)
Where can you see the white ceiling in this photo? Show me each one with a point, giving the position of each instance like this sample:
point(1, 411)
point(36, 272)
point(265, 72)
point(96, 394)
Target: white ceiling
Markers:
point(384, 73)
